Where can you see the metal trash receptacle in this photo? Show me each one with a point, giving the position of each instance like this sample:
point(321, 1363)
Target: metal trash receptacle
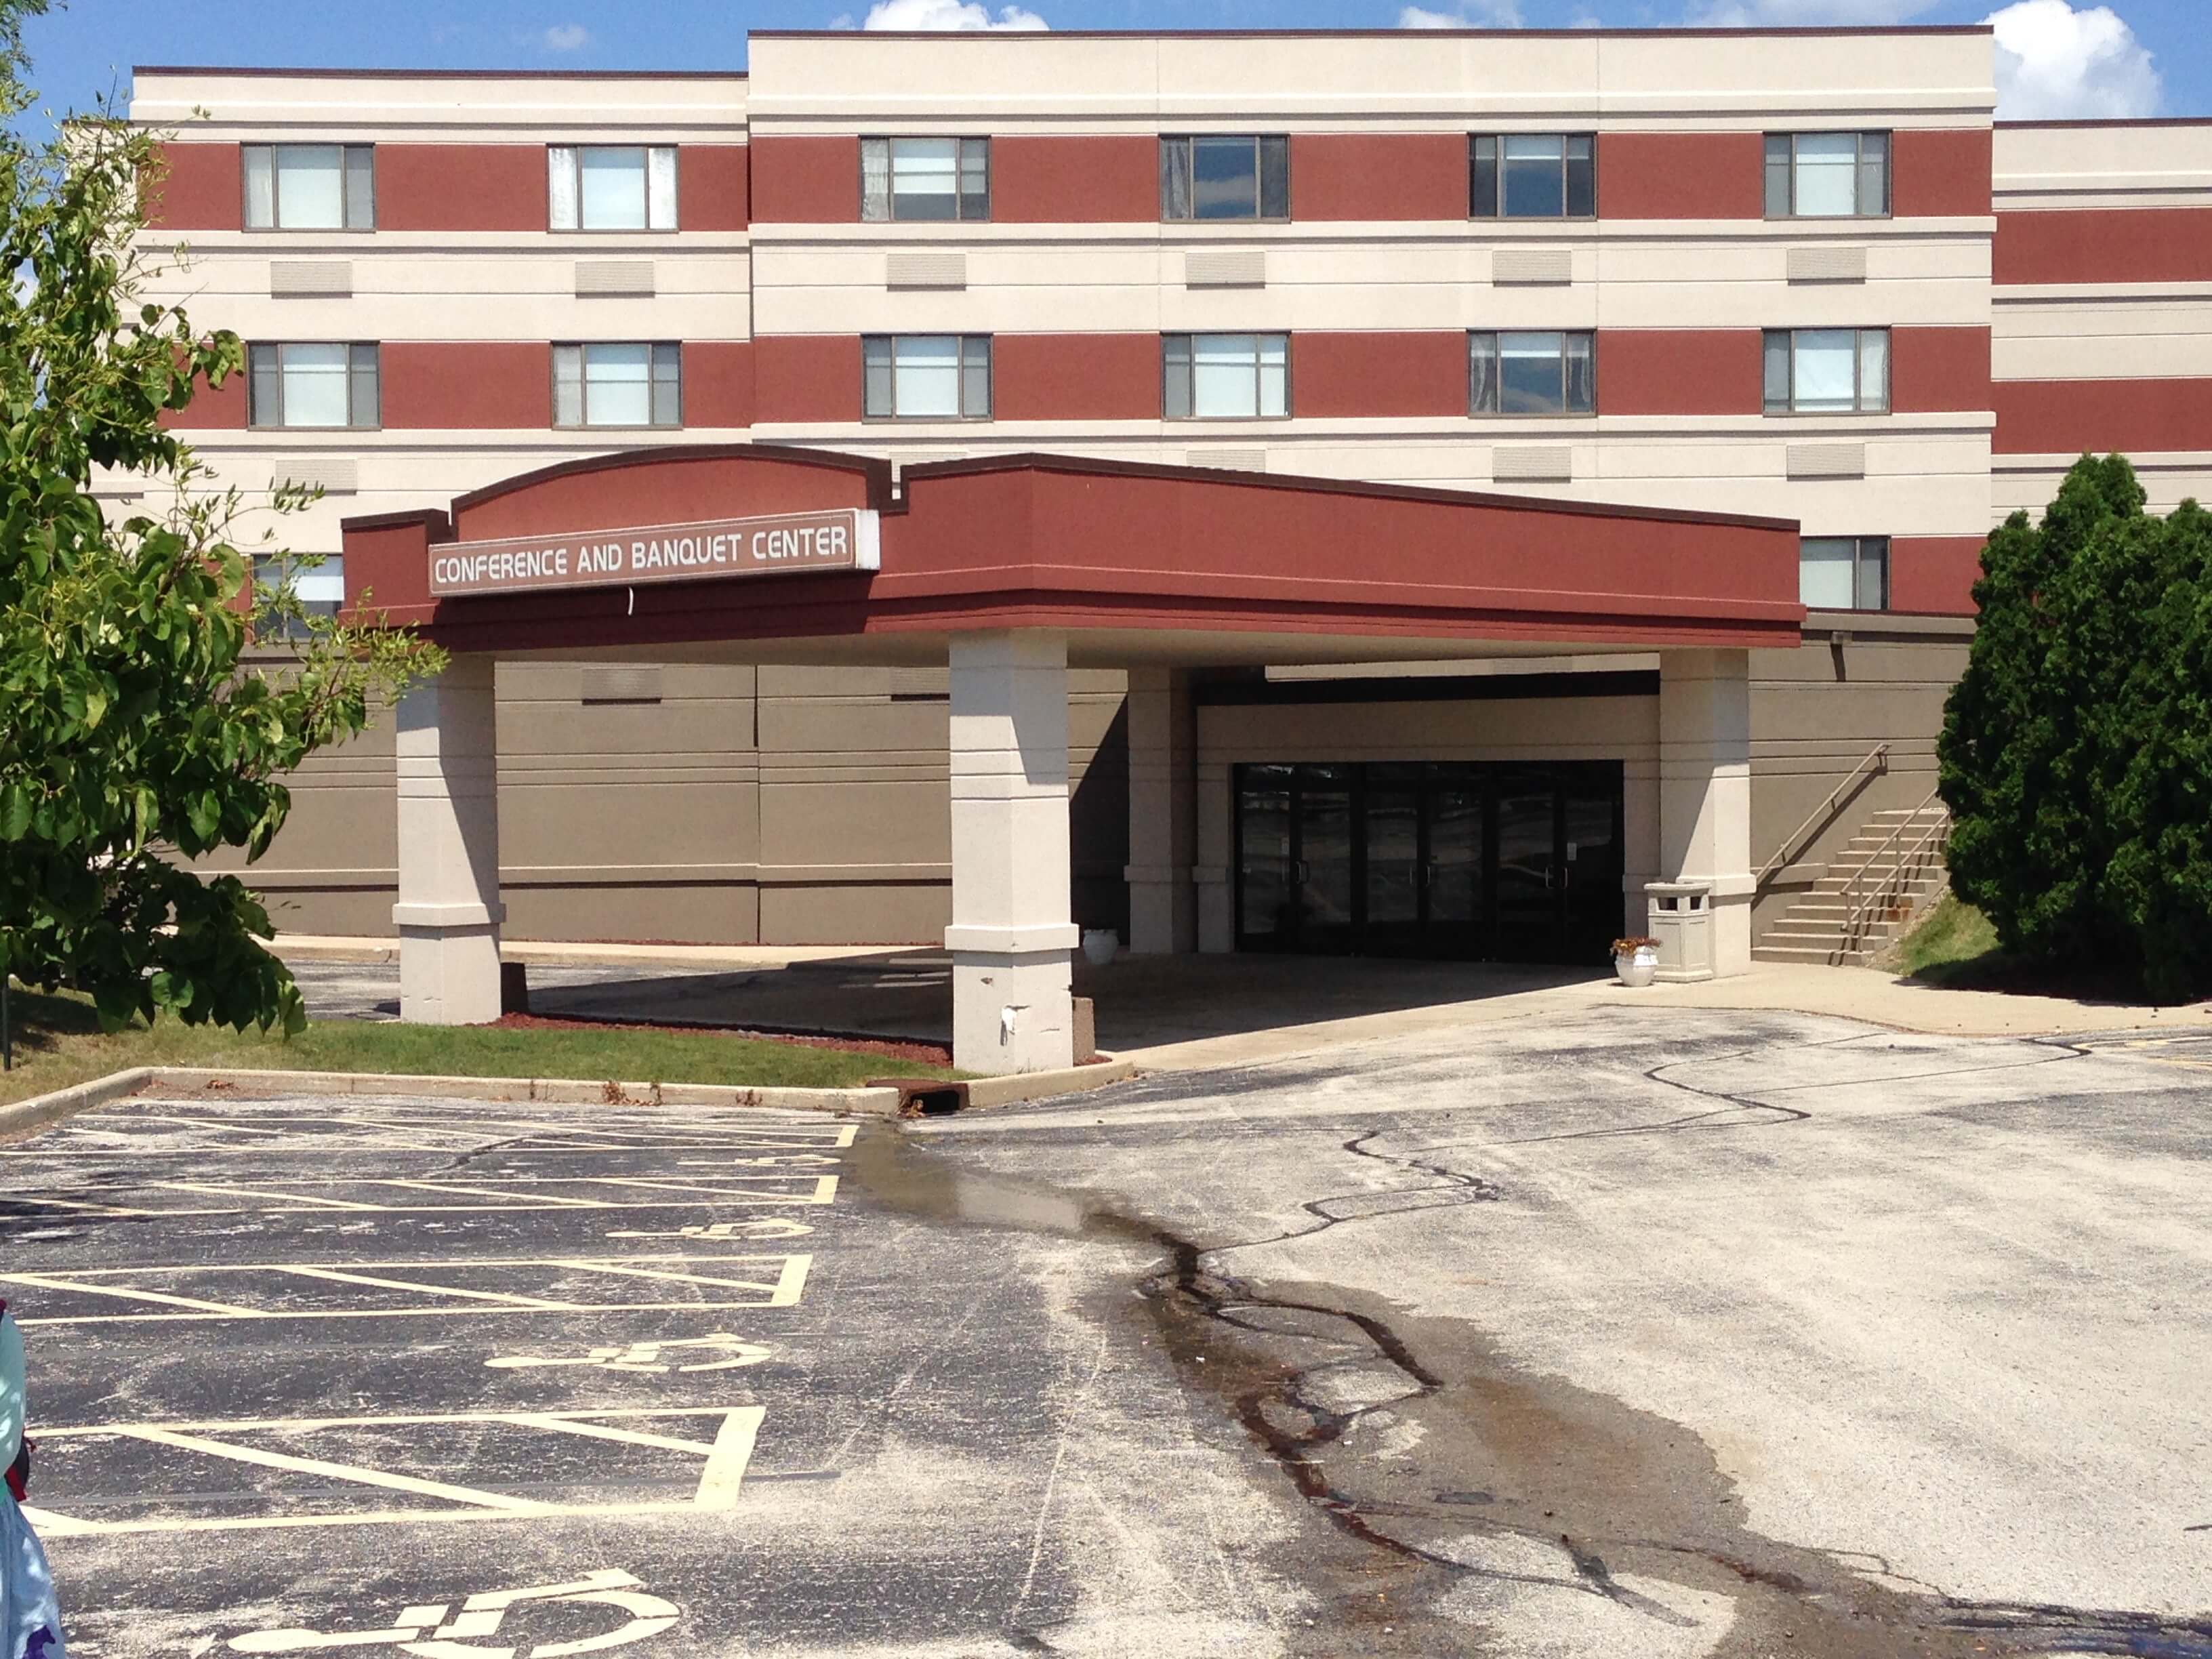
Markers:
point(1681, 918)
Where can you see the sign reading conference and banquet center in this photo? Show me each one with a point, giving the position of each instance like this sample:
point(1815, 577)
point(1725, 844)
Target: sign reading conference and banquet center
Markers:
point(840, 538)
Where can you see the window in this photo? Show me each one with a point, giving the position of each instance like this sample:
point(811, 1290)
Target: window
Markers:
point(925, 179)
point(310, 186)
point(926, 377)
point(1827, 175)
point(1532, 175)
point(611, 385)
point(1844, 573)
point(1225, 377)
point(612, 186)
point(318, 584)
point(1827, 371)
point(1225, 176)
point(310, 386)
point(1531, 375)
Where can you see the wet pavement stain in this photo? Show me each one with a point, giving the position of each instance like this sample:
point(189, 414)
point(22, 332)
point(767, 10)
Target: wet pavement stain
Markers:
point(1505, 1462)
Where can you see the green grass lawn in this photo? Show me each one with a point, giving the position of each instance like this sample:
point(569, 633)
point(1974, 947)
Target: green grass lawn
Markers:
point(58, 1042)
point(1952, 941)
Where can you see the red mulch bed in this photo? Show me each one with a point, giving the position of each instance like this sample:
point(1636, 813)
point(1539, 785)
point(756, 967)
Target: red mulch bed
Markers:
point(925, 1054)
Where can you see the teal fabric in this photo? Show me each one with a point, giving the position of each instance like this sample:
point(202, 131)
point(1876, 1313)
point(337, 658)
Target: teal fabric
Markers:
point(30, 1618)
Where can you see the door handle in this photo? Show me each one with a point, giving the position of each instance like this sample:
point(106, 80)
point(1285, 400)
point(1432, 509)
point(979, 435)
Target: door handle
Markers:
point(1300, 877)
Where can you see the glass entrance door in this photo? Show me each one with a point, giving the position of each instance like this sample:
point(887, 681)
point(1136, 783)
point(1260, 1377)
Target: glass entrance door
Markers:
point(1462, 859)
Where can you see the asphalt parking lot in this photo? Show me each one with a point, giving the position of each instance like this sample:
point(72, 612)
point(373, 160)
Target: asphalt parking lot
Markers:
point(1682, 1334)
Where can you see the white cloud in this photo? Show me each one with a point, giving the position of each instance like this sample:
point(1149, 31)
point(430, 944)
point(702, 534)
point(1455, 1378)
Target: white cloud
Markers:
point(1471, 14)
point(566, 37)
point(1804, 14)
point(949, 14)
point(2056, 64)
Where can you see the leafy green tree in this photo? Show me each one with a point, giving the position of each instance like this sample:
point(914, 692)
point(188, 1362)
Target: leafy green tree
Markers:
point(2076, 752)
point(140, 723)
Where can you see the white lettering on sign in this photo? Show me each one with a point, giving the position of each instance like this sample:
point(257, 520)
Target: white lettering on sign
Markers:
point(840, 538)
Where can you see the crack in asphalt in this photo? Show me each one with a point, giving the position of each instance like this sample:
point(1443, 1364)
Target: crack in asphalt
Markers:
point(1633, 1488)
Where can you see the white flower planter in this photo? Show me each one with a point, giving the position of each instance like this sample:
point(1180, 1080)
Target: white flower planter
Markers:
point(1100, 946)
point(1636, 968)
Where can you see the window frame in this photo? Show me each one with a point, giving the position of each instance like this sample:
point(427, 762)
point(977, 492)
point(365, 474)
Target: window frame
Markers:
point(583, 348)
point(963, 145)
point(1859, 405)
point(576, 192)
point(1864, 549)
point(345, 227)
point(1188, 169)
point(1190, 337)
point(255, 420)
point(964, 344)
point(1497, 213)
point(1565, 411)
point(288, 566)
point(1889, 209)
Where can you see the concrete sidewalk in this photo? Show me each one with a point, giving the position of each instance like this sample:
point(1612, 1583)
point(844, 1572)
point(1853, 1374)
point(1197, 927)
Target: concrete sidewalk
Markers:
point(1180, 1012)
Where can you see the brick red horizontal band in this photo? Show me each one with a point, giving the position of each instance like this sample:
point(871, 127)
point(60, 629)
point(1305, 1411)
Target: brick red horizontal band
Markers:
point(2105, 244)
point(1335, 374)
point(1933, 575)
point(2071, 417)
point(448, 187)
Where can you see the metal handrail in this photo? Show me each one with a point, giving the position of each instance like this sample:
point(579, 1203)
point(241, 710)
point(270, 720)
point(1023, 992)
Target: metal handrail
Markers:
point(1853, 917)
point(1877, 757)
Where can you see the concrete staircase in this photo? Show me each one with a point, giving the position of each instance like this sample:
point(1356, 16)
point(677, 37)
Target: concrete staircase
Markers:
point(1880, 873)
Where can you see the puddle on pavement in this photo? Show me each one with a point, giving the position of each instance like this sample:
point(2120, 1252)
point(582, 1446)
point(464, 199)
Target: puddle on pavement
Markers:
point(1419, 1442)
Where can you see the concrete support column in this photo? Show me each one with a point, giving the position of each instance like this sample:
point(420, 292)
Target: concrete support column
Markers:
point(1704, 789)
point(1217, 859)
point(1013, 939)
point(449, 912)
point(1163, 805)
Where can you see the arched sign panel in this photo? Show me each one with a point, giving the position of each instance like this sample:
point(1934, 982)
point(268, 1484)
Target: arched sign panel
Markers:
point(838, 538)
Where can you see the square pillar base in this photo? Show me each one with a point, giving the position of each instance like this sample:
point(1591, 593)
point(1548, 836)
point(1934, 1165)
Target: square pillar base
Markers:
point(1012, 1010)
point(449, 975)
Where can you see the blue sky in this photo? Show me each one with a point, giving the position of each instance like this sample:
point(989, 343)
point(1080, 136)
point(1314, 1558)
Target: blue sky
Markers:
point(2063, 57)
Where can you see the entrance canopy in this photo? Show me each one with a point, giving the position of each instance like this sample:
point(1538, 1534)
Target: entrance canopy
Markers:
point(1134, 563)
point(1008, 570)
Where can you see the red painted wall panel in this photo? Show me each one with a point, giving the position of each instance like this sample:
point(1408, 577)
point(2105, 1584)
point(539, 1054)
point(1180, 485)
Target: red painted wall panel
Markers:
point(2113, 245)
point(1680, 175)
point(1076, 377)
point(1378, 175)
point(2068, 418)
point(717, 383)
point(202, 190)
point(1933, 575)
point(807, 181)
point(806, 377)
point(657, 491)
point(496, 383)
point(1937, 370)
point(213, 409)
point(713, 187)
point(1678, 371)
point(1378, 374)
point(1942, 172)
point(1075, 180)
point(460, 187)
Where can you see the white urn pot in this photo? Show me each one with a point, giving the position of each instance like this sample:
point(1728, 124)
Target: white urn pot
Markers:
point(1100, 946)
point(1638, 968)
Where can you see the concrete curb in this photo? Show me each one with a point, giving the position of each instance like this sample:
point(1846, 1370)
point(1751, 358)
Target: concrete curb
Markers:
point(24, 1116)
point(1043, 1086)
point(21, 1117)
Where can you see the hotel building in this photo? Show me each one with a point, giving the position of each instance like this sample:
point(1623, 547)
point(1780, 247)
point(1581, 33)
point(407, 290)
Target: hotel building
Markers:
point(1797, 287)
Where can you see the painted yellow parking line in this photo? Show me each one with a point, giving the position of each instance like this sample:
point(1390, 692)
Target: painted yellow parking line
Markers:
point(231, 1189)
point(336, 1277)
point(58, 1282)
point(353, 1474)
point(723, 1464)
point(782, 1288)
